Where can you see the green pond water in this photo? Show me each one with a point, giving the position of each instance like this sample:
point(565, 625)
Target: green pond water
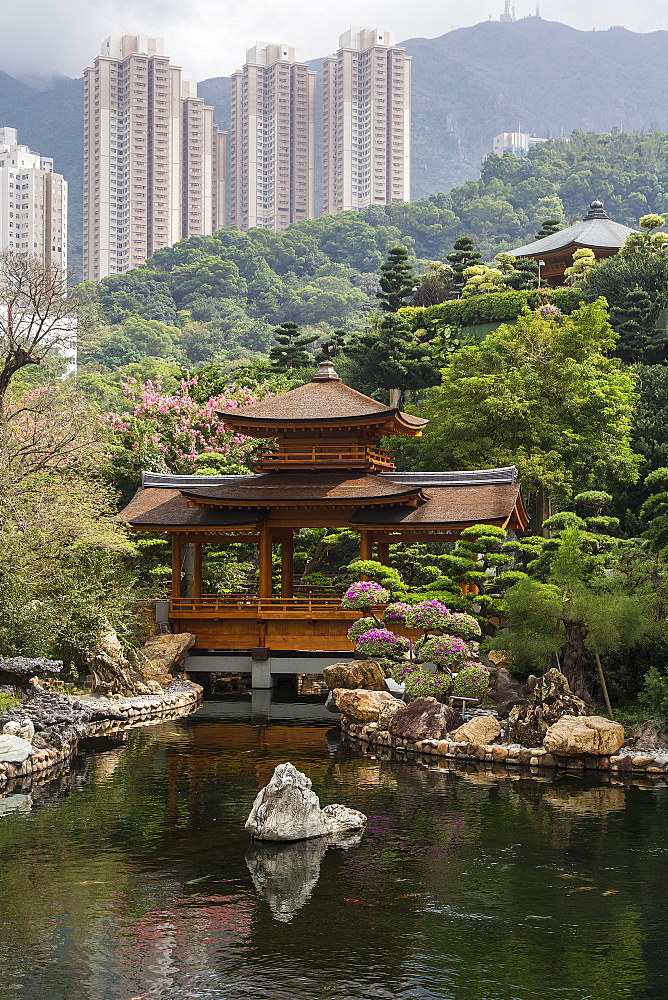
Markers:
point(133, 877)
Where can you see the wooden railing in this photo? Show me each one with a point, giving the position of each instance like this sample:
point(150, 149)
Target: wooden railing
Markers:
point(341, 456)
point(249, 606)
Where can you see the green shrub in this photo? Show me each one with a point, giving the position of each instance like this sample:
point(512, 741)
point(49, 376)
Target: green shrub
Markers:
point(479, 309)
point(423, 684)
point(471, 681)
point(654, 697)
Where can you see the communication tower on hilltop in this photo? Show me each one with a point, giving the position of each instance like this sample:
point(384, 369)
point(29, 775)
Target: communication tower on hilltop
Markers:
point(508, 16)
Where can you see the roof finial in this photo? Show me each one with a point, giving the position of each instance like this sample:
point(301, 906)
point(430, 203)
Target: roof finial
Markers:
point(326, 373)
point(596, 210)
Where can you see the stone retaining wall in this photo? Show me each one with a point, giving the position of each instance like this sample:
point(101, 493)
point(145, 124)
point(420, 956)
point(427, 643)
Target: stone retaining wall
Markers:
point(638, 763)
point(48, 762)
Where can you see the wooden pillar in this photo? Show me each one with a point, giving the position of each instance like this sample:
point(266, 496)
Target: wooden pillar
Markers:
point(265, 562)
point(187, 569)
point(197, 571)
point(383, 547)
point(287, 564)
point(176, 566)
point(366, 549)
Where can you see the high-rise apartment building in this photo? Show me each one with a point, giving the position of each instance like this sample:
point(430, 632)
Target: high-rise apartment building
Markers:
point(33, 203)
point(272, 139)
point(154, 162)
point(366, 110)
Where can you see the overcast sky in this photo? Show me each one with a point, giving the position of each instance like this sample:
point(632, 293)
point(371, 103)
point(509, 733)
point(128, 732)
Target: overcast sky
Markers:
point(209, 37)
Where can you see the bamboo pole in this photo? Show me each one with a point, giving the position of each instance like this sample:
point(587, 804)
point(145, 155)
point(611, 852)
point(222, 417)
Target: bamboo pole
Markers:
point(601, 678)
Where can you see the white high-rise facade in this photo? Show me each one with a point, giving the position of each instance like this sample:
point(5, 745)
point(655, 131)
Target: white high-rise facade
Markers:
point(272, 139)
point(33, 203)
point(366, 122)
point(151, 152)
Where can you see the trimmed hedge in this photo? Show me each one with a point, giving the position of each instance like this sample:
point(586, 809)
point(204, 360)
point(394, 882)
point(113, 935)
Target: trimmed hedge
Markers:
point(498, 307)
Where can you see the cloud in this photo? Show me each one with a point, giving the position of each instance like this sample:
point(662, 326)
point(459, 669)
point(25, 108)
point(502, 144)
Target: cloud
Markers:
point(210, 37)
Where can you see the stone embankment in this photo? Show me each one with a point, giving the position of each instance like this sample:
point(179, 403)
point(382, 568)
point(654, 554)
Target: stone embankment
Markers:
point(546, 727)
point(59, 721)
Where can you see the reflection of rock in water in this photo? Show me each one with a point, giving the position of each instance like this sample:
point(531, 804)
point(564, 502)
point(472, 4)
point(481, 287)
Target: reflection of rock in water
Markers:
point(286, 874)
point(333, 738)
point(17, 802)
point(587, 801)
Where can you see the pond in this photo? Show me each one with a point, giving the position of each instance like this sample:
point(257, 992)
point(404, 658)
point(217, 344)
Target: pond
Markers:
point(133, 877)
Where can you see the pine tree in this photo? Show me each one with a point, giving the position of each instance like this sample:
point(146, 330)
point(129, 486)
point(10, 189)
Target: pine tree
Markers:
point(331, 347)
point(290, 349)
point(397, 281)
point(463, 255)
point(548, 228)
point(635, 319)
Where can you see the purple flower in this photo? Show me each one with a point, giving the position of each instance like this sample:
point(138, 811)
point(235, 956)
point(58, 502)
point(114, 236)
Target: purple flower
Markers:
point(428, 615)
point(396, 612)
point(446, 650)
point(363, 595)
point(464, 626)
point(380, 642)
point(472, 680)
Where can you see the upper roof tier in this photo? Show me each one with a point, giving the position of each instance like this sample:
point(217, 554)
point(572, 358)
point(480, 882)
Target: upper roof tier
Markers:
point(596, 230)
point(325, 401)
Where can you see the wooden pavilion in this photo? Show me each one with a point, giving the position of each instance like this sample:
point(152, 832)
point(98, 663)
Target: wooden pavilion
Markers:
point(325, 469)
point(596, 231)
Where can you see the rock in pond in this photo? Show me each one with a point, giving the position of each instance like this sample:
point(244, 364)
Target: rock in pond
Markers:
point(424, 718)
point(288, 809)
point(14, 750)
point(162, 654)
point(575, 735)
point(481, 729)
point(355, 675)
point(650, 735)
point(364, 706)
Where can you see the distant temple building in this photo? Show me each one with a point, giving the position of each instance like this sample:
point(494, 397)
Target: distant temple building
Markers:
point(517, 143)
point(597, 232)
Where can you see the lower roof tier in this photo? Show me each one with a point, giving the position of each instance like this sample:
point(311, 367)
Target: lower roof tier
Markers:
point(423, 501)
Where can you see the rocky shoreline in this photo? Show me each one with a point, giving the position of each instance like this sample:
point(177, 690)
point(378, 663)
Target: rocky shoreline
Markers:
point(627, 763)
point(59, 721)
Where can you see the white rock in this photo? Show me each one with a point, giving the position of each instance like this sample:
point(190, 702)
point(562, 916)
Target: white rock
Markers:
point(13, 749)
point(288, 809)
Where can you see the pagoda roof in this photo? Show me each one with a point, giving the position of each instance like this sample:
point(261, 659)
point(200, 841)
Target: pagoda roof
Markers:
point(399, 501)
point(325, 400)
point(322, 488)
point(169, 508)
point(596, 230)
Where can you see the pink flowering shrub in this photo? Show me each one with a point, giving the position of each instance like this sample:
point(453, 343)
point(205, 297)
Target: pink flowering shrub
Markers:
point(396, 612)
point(428, 616)
point(359, 627)
point(380, 642)
point(364, 595)
point(465, 626)
point(170, 433)
point(423, 684)
point(549, 311)
point(446, 650)
point(472, 680)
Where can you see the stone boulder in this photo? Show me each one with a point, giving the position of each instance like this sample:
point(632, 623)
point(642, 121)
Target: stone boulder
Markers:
point(590, 734)
point(161, 655)
point(355, 675)
point(22, 668)
point(507, 692)
point(20, 727)
point(649, 736)
point(424, 718)
point(363, 706)
point(549, 700)
point(481, 729)
point(14, 750)
point(288, 809)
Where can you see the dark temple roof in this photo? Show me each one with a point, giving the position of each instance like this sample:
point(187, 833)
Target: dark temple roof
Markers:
point(323, 400)
point(168, 508)
point(319, 488)
point(595, 230)
point(402, 500)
